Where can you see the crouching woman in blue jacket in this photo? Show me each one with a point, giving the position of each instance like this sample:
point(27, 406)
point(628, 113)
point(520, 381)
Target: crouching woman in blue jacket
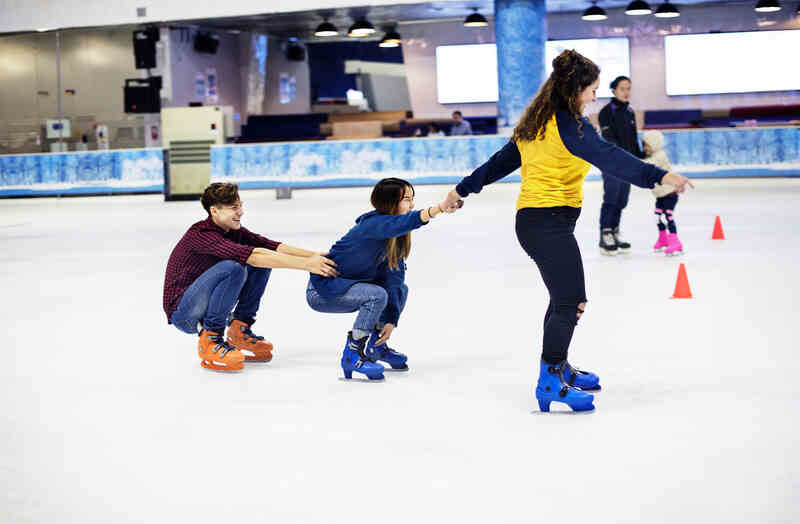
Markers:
point(371, 263)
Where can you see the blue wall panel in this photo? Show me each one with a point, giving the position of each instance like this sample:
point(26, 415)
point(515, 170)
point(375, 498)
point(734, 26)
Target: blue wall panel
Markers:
point(697, 153)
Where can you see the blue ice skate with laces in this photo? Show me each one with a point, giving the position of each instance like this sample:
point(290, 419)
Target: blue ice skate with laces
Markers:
point(355, 359)
point(386, 354)
point(586, 380)
point(551, 388)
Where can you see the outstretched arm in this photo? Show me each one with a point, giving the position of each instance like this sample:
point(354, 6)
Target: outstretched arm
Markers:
point(499, 165)
point(316, 263)
point(295, 251)
point(588, 145)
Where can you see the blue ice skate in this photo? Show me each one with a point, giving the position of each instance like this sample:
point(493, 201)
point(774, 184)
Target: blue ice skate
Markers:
point(383, 352)
point(354, 359)
point(551, 388)
point(586, 380)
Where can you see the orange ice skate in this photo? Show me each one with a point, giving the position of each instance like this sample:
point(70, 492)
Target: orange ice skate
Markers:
point(253, 347)
point(217, 354)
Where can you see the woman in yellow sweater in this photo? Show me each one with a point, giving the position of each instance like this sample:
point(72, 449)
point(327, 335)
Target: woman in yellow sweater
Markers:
point(554, 145)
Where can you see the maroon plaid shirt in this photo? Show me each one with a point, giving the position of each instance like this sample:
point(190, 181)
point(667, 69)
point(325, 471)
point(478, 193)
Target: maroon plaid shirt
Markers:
point(201, 247)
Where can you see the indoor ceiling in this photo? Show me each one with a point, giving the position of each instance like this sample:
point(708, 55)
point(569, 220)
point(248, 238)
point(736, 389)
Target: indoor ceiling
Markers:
point(302, 24)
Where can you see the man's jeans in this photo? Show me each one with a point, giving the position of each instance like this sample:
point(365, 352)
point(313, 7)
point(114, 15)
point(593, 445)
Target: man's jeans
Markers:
point(207, 303)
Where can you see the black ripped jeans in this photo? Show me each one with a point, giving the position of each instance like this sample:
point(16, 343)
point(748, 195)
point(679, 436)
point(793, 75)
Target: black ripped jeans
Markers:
point(547, 236)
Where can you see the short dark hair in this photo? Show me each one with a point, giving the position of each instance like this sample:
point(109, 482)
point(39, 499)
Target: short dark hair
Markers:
point(457, 113)
point(434, 126)
point(614, 83)
point(219, 194)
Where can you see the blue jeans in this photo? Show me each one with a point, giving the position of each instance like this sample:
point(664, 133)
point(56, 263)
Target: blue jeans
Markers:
point(368, 299)
point(211, 298)
point(615, 198)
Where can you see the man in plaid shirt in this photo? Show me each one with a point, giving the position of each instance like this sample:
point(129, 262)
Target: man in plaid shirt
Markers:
point(218, 264)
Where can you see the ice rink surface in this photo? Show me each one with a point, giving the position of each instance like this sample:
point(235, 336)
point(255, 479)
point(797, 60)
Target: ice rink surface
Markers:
point(108, 417)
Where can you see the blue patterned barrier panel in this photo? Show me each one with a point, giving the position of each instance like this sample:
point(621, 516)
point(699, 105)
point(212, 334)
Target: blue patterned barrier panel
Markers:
point(82, 172)
point(698, 153)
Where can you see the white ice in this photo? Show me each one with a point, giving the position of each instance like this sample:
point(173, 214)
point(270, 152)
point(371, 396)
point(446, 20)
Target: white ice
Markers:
point(108, 417)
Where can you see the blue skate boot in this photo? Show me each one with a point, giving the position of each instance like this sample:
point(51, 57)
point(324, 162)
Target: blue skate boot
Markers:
point(586, 380)
point(383, 352)
point(355, 359)
point(551, 388)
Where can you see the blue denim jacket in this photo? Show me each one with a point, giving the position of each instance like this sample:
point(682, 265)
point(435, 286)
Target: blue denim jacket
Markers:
point(360, 256)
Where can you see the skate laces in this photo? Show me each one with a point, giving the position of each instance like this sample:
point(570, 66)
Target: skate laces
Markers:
point(221, 345)
point(249, 334)
point(556, 370)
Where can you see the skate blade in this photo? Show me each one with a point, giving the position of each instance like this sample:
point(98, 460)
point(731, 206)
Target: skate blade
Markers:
point(362, 379)
point(565, 412)
point(675, 254)
point(214, 366)
point(392, 370)
point(608, 253)
point(256, 360)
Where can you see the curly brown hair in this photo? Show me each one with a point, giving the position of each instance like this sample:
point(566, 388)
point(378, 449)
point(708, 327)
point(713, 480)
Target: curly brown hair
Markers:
point(219, 194)
point(572, 73)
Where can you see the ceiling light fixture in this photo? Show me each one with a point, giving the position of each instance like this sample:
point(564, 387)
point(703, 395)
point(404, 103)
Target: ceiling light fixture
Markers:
point(475, 19)
point(326, 29)
point(667, 10)
point(638, 8)
point(768, 6)
point(594, 13)
point(361, 28)
point(391, 39)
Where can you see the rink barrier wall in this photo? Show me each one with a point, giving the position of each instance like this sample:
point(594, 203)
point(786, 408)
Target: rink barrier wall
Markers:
point(707, 153)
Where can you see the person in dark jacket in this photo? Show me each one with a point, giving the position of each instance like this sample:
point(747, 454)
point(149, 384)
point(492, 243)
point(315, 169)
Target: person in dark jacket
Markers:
point(618, 126)
point(371, 261)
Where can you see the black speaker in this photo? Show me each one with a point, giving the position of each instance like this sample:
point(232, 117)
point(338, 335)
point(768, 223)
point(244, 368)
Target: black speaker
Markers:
point(295, 53)
point(143, 95)
point(206, 43)
point(144, 47)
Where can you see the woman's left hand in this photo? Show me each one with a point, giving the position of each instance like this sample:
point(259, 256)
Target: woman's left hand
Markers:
point(452, 202)
point(679, 182)
point(385, 333)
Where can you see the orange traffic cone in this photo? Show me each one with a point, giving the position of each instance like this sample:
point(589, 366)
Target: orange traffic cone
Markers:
point(682, 285)
point(718, 234)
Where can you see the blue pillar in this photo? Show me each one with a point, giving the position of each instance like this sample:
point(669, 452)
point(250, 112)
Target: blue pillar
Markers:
point(520, 32)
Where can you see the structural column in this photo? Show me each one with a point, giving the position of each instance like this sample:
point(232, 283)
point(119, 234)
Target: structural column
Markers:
point(520, 33)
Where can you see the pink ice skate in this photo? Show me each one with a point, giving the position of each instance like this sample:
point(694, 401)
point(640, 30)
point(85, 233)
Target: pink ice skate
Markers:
point(662, 241)
point(674, 246)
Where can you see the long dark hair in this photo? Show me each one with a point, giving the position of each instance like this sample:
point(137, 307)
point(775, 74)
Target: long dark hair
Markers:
point(572, 73)
point(386, 197)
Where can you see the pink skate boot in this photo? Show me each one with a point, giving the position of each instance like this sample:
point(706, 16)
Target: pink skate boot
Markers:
point(674, 246)
point(662, 241)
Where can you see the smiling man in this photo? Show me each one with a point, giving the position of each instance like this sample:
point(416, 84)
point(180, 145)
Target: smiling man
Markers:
point(219, 265)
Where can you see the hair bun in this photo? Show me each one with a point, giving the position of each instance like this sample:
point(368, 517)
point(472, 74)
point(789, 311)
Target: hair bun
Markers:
point(565, 61)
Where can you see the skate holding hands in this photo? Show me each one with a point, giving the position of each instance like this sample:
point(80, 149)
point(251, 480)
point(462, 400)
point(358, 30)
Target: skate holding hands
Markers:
point(452, 202)
point(679, 182)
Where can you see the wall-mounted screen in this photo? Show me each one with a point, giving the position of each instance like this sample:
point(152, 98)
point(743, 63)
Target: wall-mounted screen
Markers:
point(468, 73)
point(732, 62)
